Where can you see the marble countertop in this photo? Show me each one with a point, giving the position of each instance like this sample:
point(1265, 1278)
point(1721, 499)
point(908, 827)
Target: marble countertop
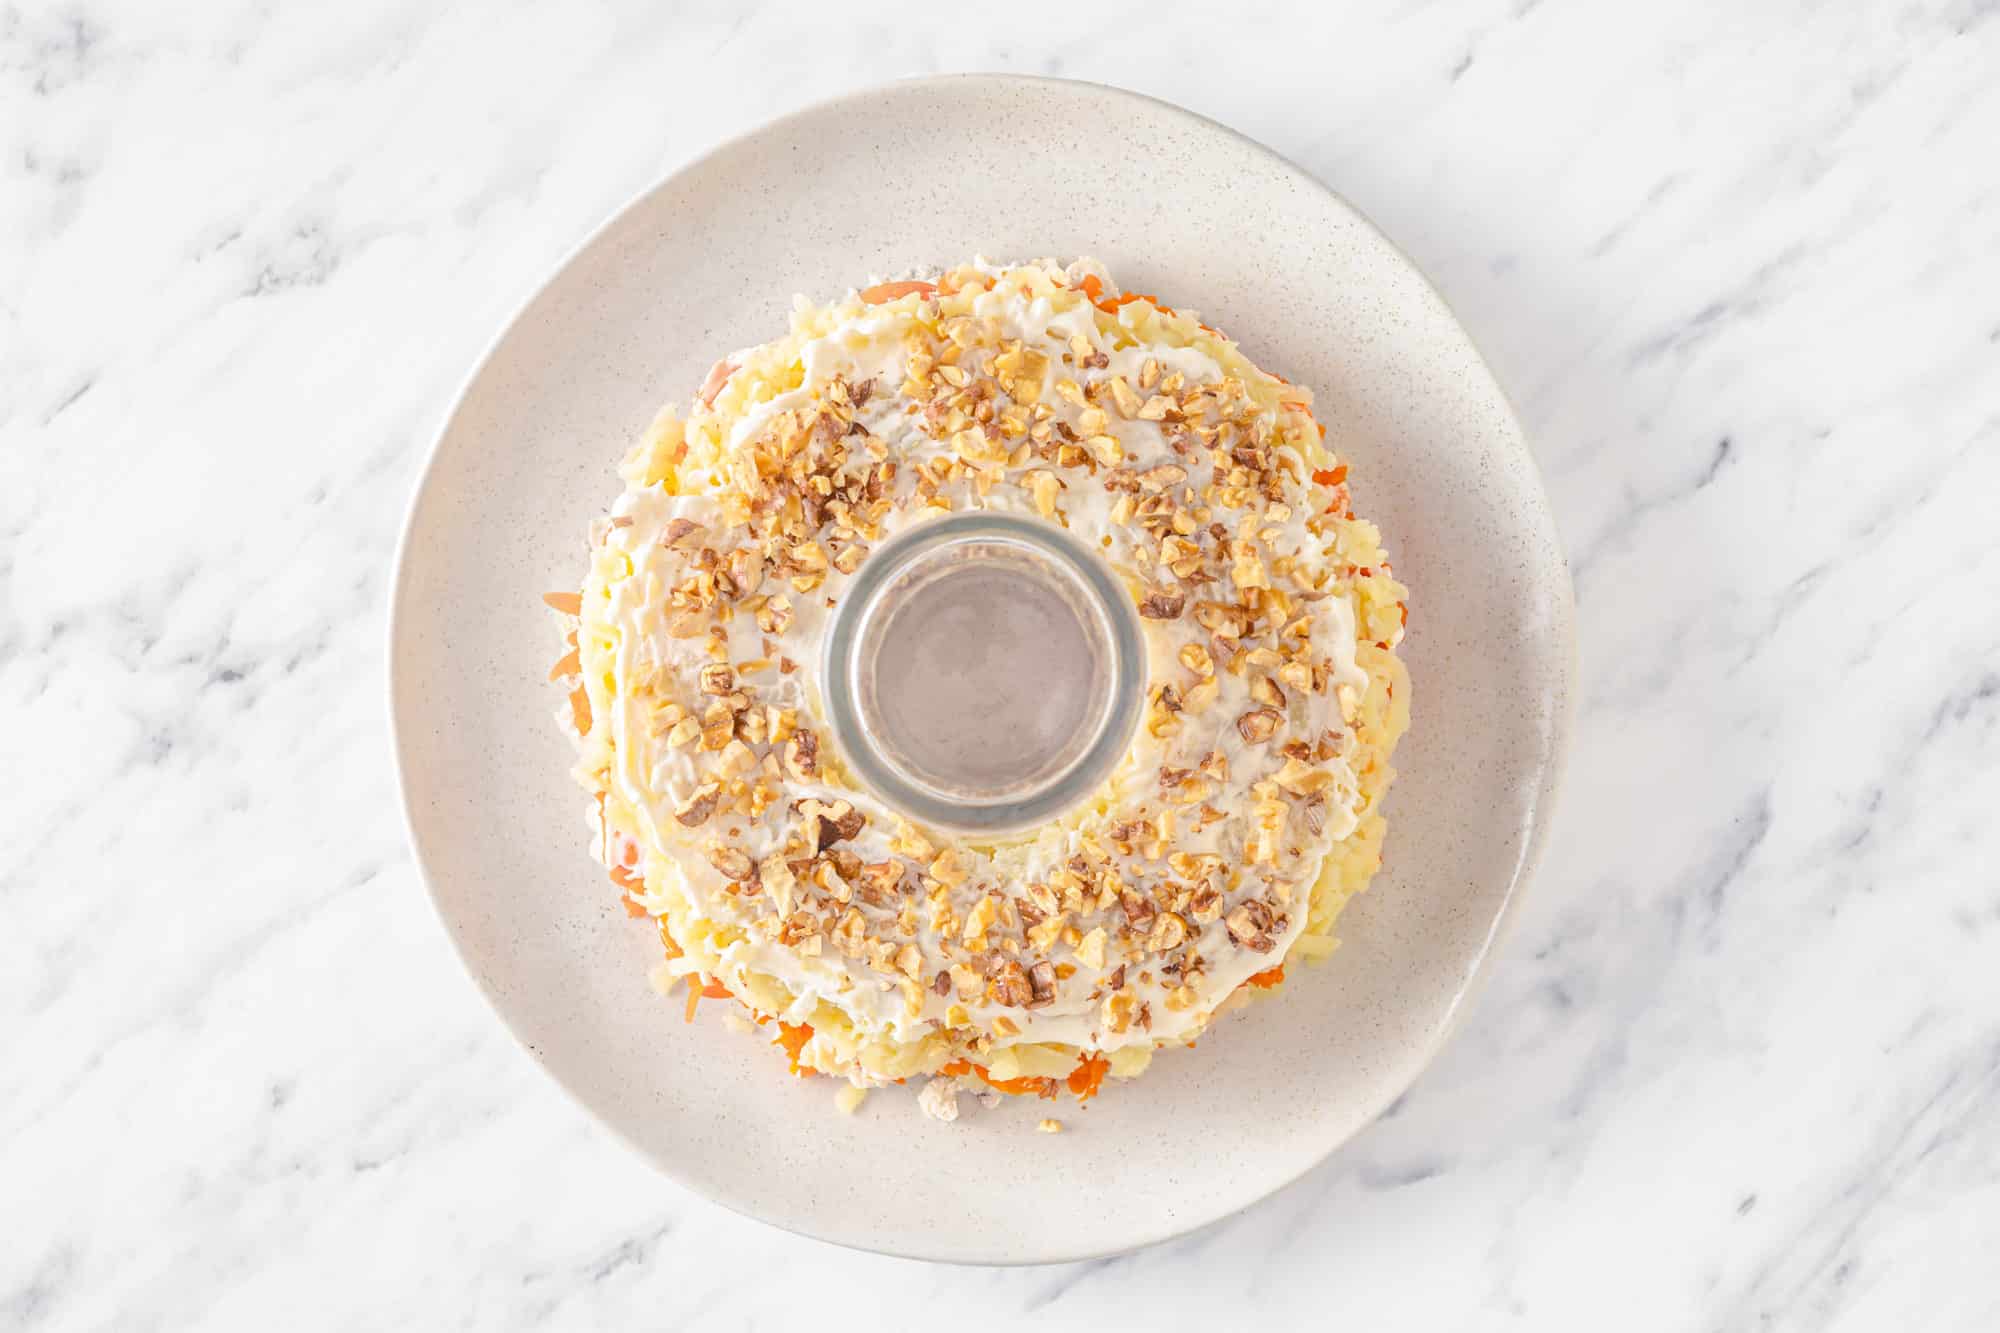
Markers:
point(1739, 266)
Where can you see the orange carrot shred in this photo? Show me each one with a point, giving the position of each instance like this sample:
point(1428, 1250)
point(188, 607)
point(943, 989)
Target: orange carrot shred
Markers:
point(958, 1067)
point(1088, 1076)
point(715, 990)
point(793, 1038)
point(579, 710)
point(566, 665)
point(1331, 476)
point(1026, 1085)
point(694, 999)
point(890, 291)
point(1267, 979)
point(569, 603)
point(1111, 307)
point(632, 908)
point(667, 940)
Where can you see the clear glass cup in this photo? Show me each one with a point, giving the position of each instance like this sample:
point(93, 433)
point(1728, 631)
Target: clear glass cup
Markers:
point(983, 672)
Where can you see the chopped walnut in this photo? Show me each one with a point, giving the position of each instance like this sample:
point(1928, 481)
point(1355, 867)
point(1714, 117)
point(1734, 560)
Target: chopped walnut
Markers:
point(1259, 725)
point(802, 755)
point(1302, 779)
point(717, 678)
point(1250, 926)
point(696, 809)
point(732, 862)
point(829, 824)
point(1010, 986)
point(775, 616)
point(1169, 933)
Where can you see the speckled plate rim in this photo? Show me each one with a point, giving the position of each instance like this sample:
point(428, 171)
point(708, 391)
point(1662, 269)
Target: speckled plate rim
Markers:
point(1539, 816)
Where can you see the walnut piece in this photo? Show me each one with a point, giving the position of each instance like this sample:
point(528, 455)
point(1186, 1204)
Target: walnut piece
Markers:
point(802, 755)
point(696, 809)
point(1169, 933)
point(1250, 926)
point(1259, 725)
point(733, 863)
point(1010, 986)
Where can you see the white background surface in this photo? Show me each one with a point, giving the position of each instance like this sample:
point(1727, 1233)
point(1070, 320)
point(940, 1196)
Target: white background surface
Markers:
point(1739, 264)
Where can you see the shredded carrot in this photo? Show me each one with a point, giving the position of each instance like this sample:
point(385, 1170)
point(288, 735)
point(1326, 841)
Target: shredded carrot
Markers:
point(1129, 297)
point(579, 710)
point(1026, 1085)
point(890, 291)
point(569, 603)
point(566, 665)
point(633, 908)
point(1403, 609)
point(1266, 980)
point(1093, 292)
point(700, 989)
point(1322, 430)
point(956, 1068)
point(623, 877)
point(1088, 1076)
point(793, 1038)
point(667, 941)
point(1332, 476)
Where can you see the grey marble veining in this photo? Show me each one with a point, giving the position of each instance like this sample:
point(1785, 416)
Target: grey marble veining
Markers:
point(1739, 1063)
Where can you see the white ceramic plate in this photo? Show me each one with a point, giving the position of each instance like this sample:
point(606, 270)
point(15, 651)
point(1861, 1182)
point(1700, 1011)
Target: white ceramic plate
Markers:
point(933, 172)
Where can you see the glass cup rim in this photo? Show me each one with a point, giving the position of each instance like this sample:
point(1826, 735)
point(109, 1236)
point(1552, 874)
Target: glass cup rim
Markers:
point(1054, 792)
